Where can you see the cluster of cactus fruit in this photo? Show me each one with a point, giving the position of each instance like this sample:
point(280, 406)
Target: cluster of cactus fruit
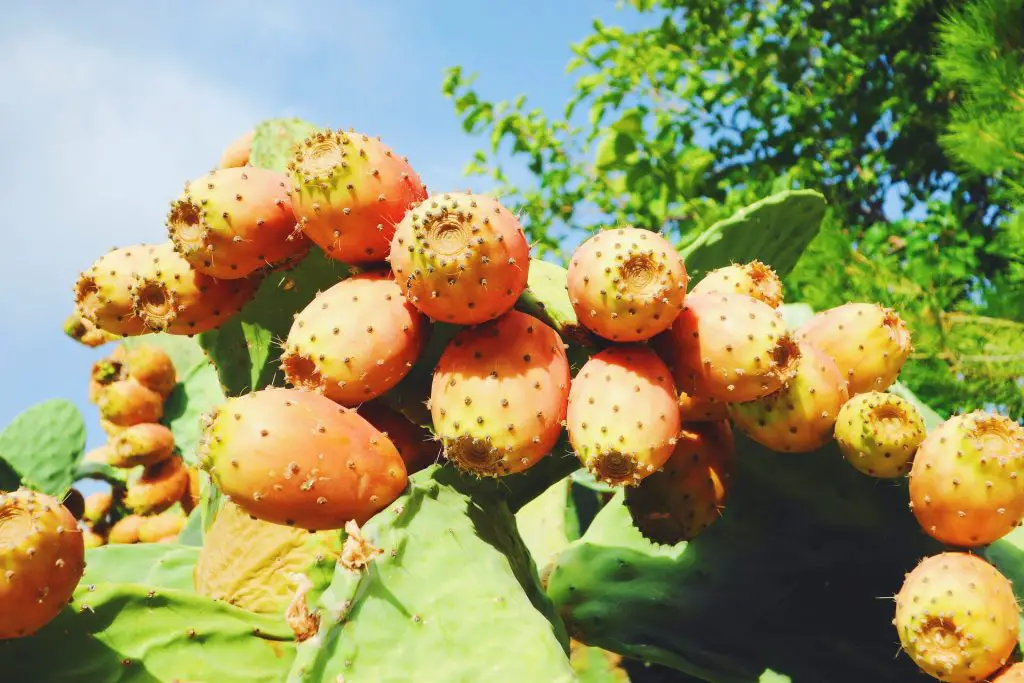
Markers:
point(399, 377)
point(130, 387)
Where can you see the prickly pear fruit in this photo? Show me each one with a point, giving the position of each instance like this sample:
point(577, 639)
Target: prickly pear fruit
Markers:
point(105, 371)
point(1011, 674)
point(142, 444)
point(967, 480)
point(729, 347)
point(355, 341)
point(42, 557)
point(234, 221)
point(693, 409)
point(801, 416)
point(190, 499)
point(294, 457)
point(688, 494)
point(754, 279)
point(626, 284)
point(878, 433)
point(957, 617)
point(85, 332)
point(415, 443)
point(237, 153)
point(176, 299)
point(126, 402)
point(97, 507)
point(151, 367)
point(125, 530)
point(348, 193)
point(160, 486)
point(103, 293)
point(92, 539)
point(868, 342)
point(164, 525)
point(623, 417)
point(111, 430)
point(249, 563)
point(499, 393)
point(461, 258)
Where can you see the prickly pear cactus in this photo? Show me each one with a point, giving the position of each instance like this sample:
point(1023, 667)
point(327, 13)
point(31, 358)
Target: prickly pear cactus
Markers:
point(774, 230)
point(483, 617)
point(43, 446)
point(134, 633)
point(159, 565)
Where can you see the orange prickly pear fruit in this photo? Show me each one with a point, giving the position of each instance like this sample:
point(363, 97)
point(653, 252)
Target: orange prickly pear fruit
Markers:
point(41, 561)
point(157, 527)
point(869, 343)
point(349, 191)
point(142, 444)
point(623, 415)
point(160, 486)
point(754, 279)
point(125, 530)
point(355, 341)
point(626, 284)
point(103, 292)
point(499, 395)
point(126, 402)
point(232, 222)
point(236, 154)
point(175, 298)
point(729, 347)
point(461, 258)
point(266, 451)
point(151, 367)
point(967, 480)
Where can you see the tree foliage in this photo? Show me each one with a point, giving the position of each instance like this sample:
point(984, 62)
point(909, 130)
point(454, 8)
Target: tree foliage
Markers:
point(713, 104)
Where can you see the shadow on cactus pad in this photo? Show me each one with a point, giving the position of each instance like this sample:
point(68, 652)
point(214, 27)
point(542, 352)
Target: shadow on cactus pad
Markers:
point(797, 577)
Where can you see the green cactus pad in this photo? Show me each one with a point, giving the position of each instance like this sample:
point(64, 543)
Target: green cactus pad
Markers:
point(44, 445)
point(547, 299)
point(793, 577)
point(273, 140)
point(158, 565)
point(774, 230)
point(198, 390)
point(128, 633)
point(246, 349)
point(452, 597)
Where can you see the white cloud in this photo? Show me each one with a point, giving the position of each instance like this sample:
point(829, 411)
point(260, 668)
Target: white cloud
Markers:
point(96, 142)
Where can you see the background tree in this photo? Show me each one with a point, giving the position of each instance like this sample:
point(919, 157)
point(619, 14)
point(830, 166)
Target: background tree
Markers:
point(716, 103)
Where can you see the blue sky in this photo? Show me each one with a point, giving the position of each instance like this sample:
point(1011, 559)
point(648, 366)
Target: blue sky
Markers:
point(106, 109)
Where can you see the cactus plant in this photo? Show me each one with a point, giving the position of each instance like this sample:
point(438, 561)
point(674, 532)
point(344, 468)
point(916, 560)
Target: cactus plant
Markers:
point(419, 568)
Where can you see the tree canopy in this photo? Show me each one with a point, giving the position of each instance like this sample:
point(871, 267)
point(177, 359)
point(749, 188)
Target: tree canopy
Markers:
point(713, 104)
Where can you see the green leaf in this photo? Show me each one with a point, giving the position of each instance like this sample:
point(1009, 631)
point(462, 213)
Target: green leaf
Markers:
point(44, 445)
